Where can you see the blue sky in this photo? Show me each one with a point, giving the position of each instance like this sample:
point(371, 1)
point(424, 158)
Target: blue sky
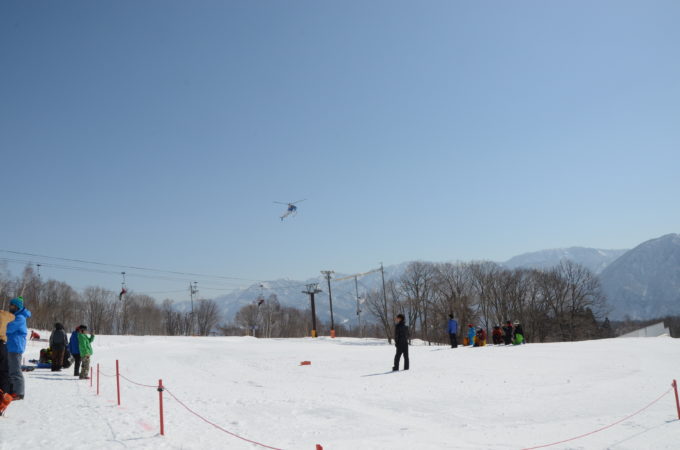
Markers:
point(158, 133)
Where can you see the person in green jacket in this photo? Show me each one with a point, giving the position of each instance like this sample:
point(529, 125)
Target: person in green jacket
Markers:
point(85, 347)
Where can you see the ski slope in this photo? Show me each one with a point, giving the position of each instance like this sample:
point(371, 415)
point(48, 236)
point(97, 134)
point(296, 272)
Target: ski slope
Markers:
point(464, 398)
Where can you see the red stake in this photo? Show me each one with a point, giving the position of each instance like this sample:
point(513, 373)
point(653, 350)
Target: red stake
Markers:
point(677, 402)
point(91, 377)
point(160, 402)
point(97, 378)
point(118, 381)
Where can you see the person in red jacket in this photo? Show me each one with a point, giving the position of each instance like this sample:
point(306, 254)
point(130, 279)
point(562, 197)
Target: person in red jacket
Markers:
point(481, 338)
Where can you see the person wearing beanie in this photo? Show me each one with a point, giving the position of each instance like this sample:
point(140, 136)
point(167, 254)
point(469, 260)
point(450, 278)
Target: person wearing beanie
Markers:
point(58, 343)
point(5, 318)
point(16, 344)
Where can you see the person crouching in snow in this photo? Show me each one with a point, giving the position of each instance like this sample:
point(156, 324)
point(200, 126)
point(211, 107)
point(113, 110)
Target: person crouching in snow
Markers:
point(471, 335)
point(401, 341)
point(519, 334)
point(85, 349)
point(58, 343)
point(481, 338)
point(507, 333)
point(497, 335)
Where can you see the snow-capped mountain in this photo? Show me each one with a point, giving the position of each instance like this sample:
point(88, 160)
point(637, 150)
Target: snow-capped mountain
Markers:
point(645, 282)
point(642, 283)
point(289, 293)
point(593, 258)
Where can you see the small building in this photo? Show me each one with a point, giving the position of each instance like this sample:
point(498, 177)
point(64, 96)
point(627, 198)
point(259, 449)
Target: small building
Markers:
point(656, 330)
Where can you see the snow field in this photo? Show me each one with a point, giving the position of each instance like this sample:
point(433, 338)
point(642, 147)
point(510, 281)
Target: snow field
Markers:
point(464, 398)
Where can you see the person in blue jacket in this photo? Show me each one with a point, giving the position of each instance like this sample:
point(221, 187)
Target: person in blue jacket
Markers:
point(471, 335)
point(75, 351)
point(16, 344)
point(453, 329)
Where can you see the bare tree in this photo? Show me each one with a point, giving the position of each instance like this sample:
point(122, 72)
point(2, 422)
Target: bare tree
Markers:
point(207, 316)
point(382, 306)
point(97, 307)
point(452, 295)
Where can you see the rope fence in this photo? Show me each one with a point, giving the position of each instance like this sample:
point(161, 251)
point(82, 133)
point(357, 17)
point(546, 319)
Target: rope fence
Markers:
point(214, 424)
point(606, 426)
point(161, 389)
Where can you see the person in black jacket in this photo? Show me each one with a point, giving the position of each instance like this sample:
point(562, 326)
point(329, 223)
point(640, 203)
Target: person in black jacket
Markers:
point(507, 333)
point(58, 343)
point(401, 341)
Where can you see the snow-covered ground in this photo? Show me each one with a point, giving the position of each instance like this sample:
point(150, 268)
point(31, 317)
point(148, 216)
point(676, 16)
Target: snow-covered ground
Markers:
point(468, 398)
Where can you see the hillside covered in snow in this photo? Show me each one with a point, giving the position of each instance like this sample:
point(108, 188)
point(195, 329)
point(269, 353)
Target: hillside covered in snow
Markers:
point(464, 398)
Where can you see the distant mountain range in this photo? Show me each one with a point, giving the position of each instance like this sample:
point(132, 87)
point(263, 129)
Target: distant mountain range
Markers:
point(640, 283)
point(645, 282)
point(289, 293)
point(592, 258)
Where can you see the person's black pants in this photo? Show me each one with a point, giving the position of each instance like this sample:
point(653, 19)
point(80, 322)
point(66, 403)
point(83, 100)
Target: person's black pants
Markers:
point(57, 357)
point(454, 340)
point(397, 357)
point(4, 368)
point(76, 365)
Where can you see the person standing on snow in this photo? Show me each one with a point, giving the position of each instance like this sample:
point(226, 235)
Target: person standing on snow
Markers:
point(471, 335)
point(58, 343)
point(401, 341)
point(16, 344)
point(5, 318)
point(85, 349)
point(453, 329)
point(74, 348)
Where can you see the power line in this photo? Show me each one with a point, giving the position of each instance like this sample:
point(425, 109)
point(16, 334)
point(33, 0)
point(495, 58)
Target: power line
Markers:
point(121, 266)
point(179, 278)
point(93, 270)
point(357, 275)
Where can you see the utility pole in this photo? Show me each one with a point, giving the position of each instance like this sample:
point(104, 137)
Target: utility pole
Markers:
point(382, 273)
point(193, 290)
point(311, 290)
point(356, 287)
point(327, 274)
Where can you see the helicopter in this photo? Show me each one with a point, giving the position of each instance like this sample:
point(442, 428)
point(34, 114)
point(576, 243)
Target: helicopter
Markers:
point(291, 208)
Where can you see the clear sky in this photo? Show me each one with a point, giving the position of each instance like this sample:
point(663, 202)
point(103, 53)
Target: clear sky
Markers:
point(158, 133)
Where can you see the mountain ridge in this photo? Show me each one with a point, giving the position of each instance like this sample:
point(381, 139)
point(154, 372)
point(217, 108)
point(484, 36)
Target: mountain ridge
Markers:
point(604, 262)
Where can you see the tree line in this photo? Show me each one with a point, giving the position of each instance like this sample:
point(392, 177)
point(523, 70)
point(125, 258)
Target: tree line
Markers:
point(102, 310)
point(564, 303)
